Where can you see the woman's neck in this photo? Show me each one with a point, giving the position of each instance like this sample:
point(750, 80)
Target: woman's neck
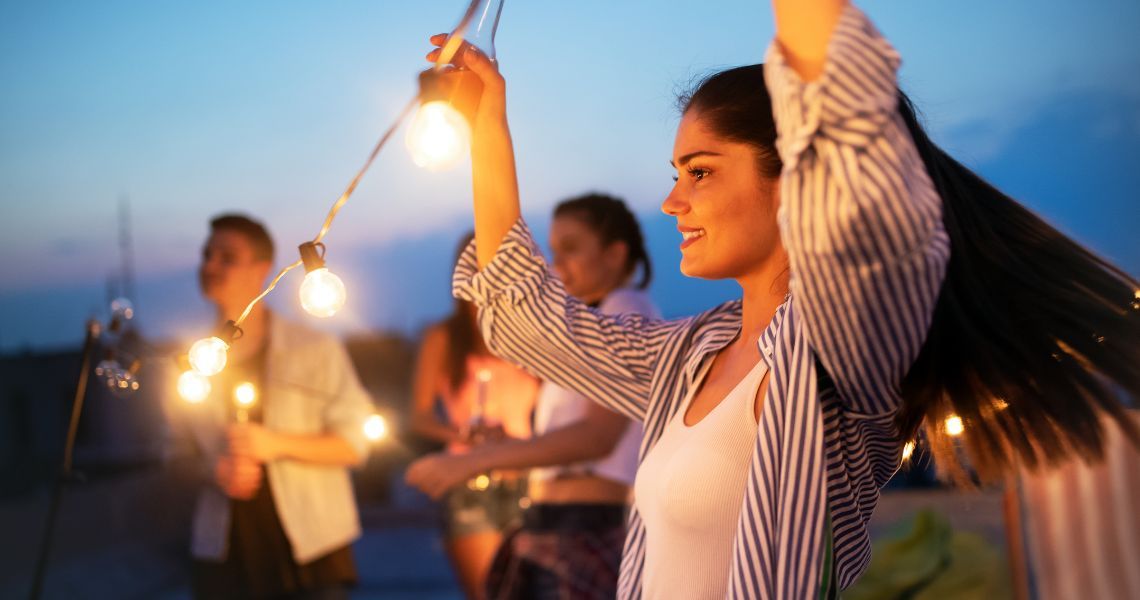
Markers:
point(764, 291)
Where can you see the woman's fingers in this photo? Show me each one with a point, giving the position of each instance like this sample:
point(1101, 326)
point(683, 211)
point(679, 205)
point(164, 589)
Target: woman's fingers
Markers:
point(466, 55)
point(473, 58)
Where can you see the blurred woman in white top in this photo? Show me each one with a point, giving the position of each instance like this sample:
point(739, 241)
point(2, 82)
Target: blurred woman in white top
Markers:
point(584, 457)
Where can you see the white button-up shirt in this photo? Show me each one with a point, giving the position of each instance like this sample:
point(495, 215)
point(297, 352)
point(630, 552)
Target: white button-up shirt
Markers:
point(310, 387)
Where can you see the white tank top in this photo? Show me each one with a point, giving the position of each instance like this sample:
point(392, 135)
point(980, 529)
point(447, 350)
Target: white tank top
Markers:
point(558, 407)
point(689, 490)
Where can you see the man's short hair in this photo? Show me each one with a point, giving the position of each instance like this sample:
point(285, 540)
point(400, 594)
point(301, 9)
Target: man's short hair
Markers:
point(253, 231)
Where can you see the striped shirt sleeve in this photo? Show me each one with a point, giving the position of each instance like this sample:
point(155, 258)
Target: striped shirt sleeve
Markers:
point(859, 215)
point(527, 317)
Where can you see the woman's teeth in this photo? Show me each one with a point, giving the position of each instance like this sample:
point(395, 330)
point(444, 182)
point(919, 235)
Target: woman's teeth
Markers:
point(692, 235)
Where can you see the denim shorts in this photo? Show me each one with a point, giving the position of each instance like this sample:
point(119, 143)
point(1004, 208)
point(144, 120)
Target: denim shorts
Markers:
point(467, 511)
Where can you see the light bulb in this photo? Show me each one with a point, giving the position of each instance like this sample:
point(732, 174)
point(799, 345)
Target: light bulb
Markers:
point(245, 394)
point(375, 428)
point(954, 425)
point(121, 308)
point(193, 386)
point(107, 368)
point(322, 293)
point(124, 382)
point(479, 483)
point(208, 355)
point(908, 450)
point(438, 136)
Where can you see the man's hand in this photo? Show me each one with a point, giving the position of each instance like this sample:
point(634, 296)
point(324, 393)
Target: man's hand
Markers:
point(253, 441)
point(239, 477)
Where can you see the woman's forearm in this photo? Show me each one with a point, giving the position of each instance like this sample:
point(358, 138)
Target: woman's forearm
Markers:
point(495, 187)
point(803, 29)
point(429, 427)
point(584, 440)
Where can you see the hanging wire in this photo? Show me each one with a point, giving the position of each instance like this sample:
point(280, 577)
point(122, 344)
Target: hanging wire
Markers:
point(272, 284)
point(454, 42)
point(359, 174)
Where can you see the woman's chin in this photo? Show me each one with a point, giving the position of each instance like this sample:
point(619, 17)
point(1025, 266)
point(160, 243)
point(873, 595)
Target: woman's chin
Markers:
point(692, 268)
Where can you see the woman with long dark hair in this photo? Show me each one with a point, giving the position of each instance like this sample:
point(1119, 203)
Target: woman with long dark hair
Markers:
point(885, 287)
point(583, 456)
point(482, 397)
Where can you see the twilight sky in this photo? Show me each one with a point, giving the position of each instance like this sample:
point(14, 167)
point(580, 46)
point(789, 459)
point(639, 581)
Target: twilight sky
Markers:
point(190, 109)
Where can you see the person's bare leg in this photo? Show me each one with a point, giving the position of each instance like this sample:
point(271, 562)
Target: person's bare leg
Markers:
point(471, 556)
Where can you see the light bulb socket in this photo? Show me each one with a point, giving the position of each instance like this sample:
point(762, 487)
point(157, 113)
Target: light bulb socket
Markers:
point(228, 332)
point(312, 256)
point(457, 86)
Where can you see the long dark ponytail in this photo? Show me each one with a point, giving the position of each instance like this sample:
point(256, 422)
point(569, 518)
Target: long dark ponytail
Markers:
point(1033, 336)
point(613, 222)
point(463, 336)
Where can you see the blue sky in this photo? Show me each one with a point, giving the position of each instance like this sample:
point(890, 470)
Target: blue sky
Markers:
point(190, 109)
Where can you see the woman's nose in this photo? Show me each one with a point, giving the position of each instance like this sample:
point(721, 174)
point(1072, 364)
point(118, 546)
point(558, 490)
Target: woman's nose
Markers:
point(673, 205)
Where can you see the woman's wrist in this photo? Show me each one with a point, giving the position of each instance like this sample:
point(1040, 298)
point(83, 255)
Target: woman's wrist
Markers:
point(479, 460)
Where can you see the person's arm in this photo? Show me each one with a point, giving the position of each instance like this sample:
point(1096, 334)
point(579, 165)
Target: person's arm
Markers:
point(341, 440)
point(803, 30)
point(429, 371)
point(264, 445)
point(493, 178)
point(591, 438)
point(524, 311)
point(860, 218)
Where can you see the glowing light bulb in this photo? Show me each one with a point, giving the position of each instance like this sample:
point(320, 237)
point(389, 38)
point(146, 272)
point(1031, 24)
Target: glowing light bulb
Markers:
point(908, 450)
point(193, 386)
point(322, 293)
point(375, 428)
point(123, 382)
point(438, 136)
point(480, 483)
point(245, 394)
point(208, 355)
point(121, 308)
point(954, 425)
point(107, 368)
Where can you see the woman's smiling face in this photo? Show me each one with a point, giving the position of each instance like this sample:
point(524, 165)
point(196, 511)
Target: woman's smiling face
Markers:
point(725, 208)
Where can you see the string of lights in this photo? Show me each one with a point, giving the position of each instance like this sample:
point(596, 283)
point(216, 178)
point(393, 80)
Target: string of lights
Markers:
point(436, 138)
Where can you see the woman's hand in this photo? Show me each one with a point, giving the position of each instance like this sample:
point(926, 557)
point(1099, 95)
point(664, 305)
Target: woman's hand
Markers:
point(492, 111)
point(494, 182)
point(437, 473)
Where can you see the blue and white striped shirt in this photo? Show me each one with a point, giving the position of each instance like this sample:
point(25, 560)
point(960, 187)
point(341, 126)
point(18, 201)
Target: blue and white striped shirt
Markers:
point(862, 225)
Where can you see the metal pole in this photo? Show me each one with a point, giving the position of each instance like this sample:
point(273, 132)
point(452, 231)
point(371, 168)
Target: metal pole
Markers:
point(65, 468)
